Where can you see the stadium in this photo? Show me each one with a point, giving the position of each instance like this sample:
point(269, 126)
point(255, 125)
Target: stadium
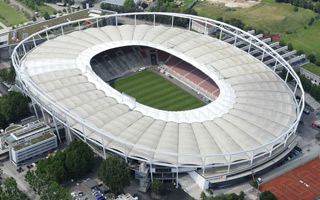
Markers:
point(164, 96)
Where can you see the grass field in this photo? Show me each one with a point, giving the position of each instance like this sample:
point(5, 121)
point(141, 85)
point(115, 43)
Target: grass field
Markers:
point(10, 16)
point(155, 91)
point(276, 18)
point(306, 39)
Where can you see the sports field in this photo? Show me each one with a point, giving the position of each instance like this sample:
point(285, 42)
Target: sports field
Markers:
point(301, 183)
point(155, 91)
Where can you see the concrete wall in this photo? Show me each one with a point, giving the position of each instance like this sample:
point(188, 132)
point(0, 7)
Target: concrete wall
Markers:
point(313, 77)
point(201, 182)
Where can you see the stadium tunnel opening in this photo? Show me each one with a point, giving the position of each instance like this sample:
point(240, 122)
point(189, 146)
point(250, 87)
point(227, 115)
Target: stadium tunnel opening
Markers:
point(117, 63)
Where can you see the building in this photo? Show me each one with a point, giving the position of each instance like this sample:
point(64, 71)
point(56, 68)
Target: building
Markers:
point(203, 27)
point(313, 77)
point(249, 127)
point(29, 141)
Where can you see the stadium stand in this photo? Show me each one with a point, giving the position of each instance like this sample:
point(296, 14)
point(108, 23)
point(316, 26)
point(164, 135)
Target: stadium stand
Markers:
point(117, 62)
point(189, 75)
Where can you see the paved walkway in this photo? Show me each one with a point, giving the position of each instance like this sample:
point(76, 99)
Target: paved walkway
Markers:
point(190, 186)
point(308, 98)
point(311, 101)
point(3, 26)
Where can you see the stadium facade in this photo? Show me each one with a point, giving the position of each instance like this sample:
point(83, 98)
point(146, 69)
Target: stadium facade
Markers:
point(249, 126)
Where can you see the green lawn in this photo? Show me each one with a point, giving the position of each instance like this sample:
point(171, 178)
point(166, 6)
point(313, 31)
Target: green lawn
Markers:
point(312, 68)
point(38, 27)
point(1, 27)
point(44, 8)
point(306, 39)
point(155, 91)
point(10, 16)
point(276, 18)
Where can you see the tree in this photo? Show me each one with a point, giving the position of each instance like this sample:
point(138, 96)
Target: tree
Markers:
point(34, 18)
point(312, 58)
point(311, 21)
point(242, 195)
point(203, 195)
point(47, 190)
point(3, 122)
point(156, 187)
point(144, 5)
point(53, 169)
point(129, 4)
point(254, 184)
point(282, 43)
point(295, 9)
point(13, 106)
point(317, 7)
point(114, 173)
point(46, 16)
point(9, 190)
point(79, 159)
point(290, 47)
point(300, 51)
point(267, 195)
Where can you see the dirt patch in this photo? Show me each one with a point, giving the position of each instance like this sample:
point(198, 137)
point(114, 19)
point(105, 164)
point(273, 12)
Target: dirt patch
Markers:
point(236, 3)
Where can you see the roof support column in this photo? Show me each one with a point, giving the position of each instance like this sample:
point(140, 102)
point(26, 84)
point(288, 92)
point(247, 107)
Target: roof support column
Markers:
point(62, 30)
point(189, 24)
point(116, 20)
point(154, 20)
point(56, 127)
point(220, 33)
point(172, 21)
point(47, 35)
point(206, 32)
point(295, 89)
point(43, 115)
point(249, 49)
point(34, 42)
point(97, 23)
point(263, 52)
point(235, 39)
point(177, 177)
point(151, 175)
point(251, 160)
point(270, 153)
point(83, 132)
point(24, 49)
point(229, 163)
point(68, 128)
point(135, 20)
point(287, 76)
point(275, 65)
point(203, 166)
point(79, 26)
point(286, 139)
point(125, 153)
point(34, 108)
point(103, 147)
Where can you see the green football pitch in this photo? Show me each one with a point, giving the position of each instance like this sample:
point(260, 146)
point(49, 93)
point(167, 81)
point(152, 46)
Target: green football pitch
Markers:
point(155, 91)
